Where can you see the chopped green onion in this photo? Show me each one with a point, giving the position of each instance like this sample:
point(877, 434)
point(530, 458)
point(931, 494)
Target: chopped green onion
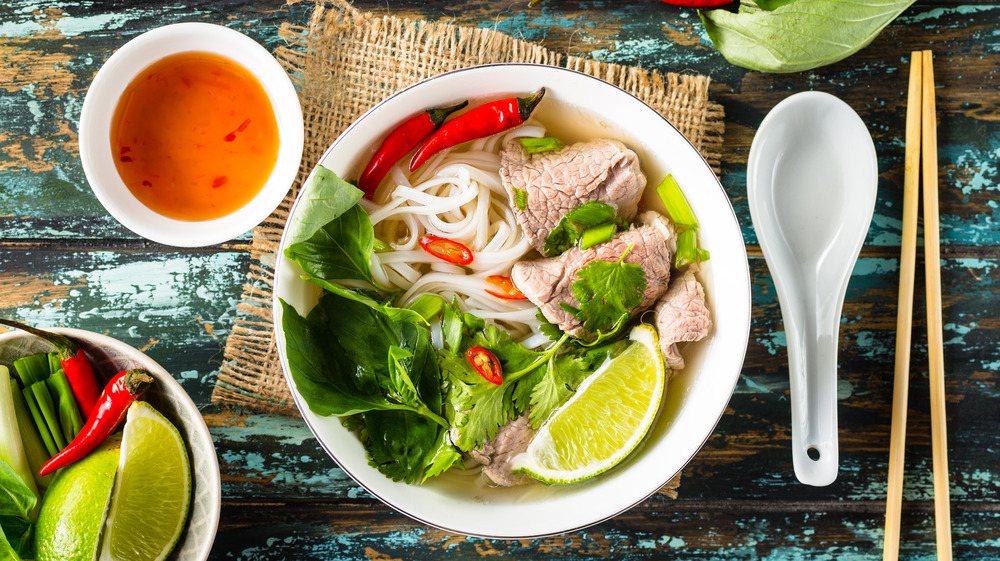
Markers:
point(536, 145)
point(428, 306)
point(48, 408)
point(381, 246)
point(520, 198)
point(40, 426)
point(597, 234)
point(687, 248)
point(70, 420)
point(32, 368)
point(11, 449)
point(703, 255)
point(677, 206)
point(34, 446)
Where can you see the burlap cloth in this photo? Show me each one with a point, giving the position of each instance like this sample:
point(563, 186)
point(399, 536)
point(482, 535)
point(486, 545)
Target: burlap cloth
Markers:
point(344, 62)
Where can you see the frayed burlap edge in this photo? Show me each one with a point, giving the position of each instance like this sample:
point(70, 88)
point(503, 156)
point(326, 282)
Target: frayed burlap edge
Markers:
point(344, 62)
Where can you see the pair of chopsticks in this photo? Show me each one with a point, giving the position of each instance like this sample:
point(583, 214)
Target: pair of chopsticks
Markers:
point(921, 143)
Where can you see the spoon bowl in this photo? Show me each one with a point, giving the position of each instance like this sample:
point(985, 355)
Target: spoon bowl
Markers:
point(811, 184)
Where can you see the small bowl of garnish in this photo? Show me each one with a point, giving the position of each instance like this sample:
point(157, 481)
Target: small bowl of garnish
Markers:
point(191, 134)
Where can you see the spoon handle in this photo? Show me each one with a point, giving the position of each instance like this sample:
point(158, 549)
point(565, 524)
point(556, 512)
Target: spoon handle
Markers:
point(813, 332)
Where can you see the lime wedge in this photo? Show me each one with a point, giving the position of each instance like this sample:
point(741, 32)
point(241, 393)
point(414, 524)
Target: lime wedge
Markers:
point(606, 419)
point(152, 495)
point(73, 509)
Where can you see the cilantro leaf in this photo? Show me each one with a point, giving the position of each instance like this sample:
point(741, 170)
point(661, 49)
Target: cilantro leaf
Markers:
point(557, 383)
point(608, 292)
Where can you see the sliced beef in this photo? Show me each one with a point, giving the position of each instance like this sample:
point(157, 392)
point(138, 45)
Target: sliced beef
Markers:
point(496, 453)
point(547, 282)
point(681, 316)
point(557, 182)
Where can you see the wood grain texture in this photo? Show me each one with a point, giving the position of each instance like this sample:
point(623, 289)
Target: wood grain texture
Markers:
point(64, 261)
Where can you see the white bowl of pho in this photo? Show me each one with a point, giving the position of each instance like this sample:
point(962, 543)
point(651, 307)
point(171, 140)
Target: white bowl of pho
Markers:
point(512, 301)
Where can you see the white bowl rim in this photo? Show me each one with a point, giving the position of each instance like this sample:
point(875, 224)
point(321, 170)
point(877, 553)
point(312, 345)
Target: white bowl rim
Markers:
point(102, 97)
point(213, 477)
point(304, 408)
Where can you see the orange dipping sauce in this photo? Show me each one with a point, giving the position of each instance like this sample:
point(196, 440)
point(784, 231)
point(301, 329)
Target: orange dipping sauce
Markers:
point(194, 136)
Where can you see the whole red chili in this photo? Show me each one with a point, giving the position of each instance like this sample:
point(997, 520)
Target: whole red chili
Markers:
point(448, 250)
point(489, 118)
point(506, 289)
point(74, 363)
point(486, 364)
point(401, 140)
point(111, 407)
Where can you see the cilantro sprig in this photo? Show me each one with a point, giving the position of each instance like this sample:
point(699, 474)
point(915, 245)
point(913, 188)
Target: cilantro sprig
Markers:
point(608, 291)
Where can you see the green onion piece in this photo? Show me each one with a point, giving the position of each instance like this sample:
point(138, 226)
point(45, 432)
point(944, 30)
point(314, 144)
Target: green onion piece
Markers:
point(49, 413)
point(381, 246)
point(32, 368)
point(703, 255)
point(55, 364)
point(687, 248)
point(677, 206)
point(40, 426)
point(34, 446)
point(536, 145)
point(520, 198)
point(70, 420)
point(597, 234)
point(428, 306)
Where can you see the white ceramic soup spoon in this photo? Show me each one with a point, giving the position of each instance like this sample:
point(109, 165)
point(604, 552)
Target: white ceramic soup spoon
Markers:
point(811, 186)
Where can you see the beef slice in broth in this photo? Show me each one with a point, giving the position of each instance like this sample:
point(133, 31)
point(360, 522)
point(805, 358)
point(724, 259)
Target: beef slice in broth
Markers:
point(496, 453)
point(681, 316)
point(548, 282)
point(559, 181)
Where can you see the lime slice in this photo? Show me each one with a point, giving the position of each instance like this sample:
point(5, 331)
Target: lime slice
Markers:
point(606, 419)
point(152, 496)
point(73, 508)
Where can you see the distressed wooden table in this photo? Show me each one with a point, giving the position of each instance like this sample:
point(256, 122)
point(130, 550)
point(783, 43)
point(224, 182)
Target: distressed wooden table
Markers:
point(65, 261)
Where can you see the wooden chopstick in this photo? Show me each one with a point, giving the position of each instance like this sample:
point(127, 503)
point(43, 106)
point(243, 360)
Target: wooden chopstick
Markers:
point(904, 311)
point(935, 337)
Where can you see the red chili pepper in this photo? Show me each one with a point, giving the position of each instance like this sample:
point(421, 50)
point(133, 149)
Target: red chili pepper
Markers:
point(449, 250)
point(401, 140)
point(508, 290)
point(489, 118)
point(486, 364)
point(74, 363)
point(698, 3)
point(111, 407)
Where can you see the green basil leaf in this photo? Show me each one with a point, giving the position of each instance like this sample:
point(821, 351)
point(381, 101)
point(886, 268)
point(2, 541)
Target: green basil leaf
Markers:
point(796, 35)
point(323, 199)
point(591, 214)
point(340, 249)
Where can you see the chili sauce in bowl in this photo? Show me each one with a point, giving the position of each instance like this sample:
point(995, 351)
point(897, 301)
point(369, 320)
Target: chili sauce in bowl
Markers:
point(195, 136)
point(191, 134)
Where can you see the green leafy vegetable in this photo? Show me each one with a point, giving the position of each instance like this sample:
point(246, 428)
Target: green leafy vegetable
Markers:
point(796, 35)
point(324, 198)
point(608, 292)
point(536, 145)
point(341, 249)
point(17, 506)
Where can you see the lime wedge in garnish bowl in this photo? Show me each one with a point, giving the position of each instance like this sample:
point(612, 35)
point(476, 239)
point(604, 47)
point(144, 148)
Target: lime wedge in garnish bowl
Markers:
point(606, 419)
point(152, 495)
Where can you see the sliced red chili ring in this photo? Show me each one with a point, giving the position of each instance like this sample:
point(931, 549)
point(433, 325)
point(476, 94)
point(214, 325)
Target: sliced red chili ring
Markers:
point(486, 364)
point(507, 290)
point(448, 250)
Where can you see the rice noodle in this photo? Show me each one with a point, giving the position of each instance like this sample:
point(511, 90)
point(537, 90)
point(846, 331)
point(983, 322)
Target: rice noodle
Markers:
point(457, 195)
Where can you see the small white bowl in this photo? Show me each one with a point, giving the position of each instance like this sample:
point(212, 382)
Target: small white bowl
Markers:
point(102, 99)
point(110, 356)
point(696, 397)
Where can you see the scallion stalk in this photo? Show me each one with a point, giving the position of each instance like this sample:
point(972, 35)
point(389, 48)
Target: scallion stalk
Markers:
point(48, 408)
point(687, 248)
point(32, 368)
point(11, 449)
point(40, 426)
point(70, 420)
point(536, 145)
point(677, 206)
point(597, 234)
point(34, 446)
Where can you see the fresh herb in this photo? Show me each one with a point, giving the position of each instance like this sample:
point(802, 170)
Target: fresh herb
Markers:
point(569, 232)
point(675, 202)
point(520, 198)
point(17, 505)
point(340, 249)
point(796, 35)
point(324, 198)
point(536, 145)
point(597, 235)
point(608, 291)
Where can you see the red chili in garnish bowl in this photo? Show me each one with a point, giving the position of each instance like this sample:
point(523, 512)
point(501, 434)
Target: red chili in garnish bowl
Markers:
point(505, 288)
point(448, 250)
point(486, 364)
